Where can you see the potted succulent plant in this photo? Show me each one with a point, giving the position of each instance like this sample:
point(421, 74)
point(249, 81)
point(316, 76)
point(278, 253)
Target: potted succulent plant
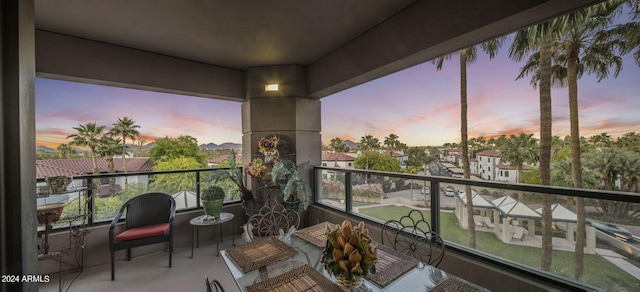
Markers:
point(212, 198)
point(288, 175)
point(349, 254)
point(58, 184)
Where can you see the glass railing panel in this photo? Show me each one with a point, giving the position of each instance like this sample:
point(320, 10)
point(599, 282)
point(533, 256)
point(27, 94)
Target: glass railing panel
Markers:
point(112, 193)
point(331, 189)
point(508, 223)
point(231, 190)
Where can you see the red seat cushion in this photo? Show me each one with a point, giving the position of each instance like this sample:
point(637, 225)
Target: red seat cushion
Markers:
point(144, 232)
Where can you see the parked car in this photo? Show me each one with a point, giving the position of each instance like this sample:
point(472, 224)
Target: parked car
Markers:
point(614, 230)
point(426, 190)
point(449, 192)
point(462, 193)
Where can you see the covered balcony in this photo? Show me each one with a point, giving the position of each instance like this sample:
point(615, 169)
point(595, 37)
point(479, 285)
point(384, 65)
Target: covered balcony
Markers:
point(232, 51)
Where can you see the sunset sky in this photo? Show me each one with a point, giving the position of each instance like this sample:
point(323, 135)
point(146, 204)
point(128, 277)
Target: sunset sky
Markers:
point(420, 104)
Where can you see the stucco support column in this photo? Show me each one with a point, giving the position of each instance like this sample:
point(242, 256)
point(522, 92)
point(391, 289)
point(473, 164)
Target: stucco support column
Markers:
point(287, 111)
point(18, 246)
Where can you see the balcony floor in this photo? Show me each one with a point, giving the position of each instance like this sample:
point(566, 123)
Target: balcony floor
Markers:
point(152, 273)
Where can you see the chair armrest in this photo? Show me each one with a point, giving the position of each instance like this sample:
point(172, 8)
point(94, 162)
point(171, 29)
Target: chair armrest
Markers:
point(114, 222)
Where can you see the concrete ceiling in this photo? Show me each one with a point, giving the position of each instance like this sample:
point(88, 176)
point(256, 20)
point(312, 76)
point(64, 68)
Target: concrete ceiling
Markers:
point(232, 34)
point(340, 43)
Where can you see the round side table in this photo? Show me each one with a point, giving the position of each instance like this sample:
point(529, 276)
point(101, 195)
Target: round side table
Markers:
point(197, 222)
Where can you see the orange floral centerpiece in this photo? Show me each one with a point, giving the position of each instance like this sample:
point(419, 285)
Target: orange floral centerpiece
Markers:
point(349, 254)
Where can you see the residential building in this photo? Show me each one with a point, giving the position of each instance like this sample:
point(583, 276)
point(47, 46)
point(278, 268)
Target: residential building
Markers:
point(222, 158)
point(487, 161)
point(508, 173)
point(339, 159)
point(83, 166)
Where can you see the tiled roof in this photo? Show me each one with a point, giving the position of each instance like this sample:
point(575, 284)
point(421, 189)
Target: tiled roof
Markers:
point(492, 153)
point(81, 166)
point(394, 153)
point(511, 167)
point(341, 157)
point(223, 158)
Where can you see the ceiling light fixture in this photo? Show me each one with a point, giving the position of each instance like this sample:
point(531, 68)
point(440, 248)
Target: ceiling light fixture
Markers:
point(271, 87)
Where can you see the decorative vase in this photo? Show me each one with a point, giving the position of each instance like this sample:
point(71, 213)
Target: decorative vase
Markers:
point(212, 208)
point(346, 283)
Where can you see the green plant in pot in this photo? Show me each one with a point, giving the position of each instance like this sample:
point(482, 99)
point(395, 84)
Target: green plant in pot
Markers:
point(234, 175)
point(288, 175)
point(212, 198)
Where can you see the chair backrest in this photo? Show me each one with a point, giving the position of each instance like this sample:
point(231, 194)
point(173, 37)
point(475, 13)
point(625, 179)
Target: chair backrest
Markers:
point(412, 235)
point(272, 218)
point(149, 209)
point(213, 284)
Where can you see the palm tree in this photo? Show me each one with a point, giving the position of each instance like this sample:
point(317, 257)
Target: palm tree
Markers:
point(583, 52)
point(125, 127)
point(468, 56)
point(368, 143)
point(519, 150)
point(616, 165)
point(602, 140)
point(337, 145)
point(64, 151)
point(108, 147)
point(538, 38)
point(88, 135)
point(392, 142)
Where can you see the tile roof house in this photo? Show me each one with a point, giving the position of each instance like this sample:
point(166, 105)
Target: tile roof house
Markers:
point(83, 166)
point(343, 160)
point(222, 158)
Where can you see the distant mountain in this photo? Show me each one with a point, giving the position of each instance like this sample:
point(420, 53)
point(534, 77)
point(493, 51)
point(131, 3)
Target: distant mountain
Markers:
point(226, 145)
point(50, 150)
point(45, 149)
point(352, 145)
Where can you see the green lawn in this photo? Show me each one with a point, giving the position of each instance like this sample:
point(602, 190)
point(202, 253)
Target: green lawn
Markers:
point(597, 270)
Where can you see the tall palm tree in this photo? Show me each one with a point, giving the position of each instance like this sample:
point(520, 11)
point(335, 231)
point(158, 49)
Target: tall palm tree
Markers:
point(583, 51)
point(368, 143)
point(538, 39)
point(88, 135)
point(468, 56)
point(392, 142)
point(519, 150)
point(107, 148)
point(125, 128)
point(64, 151)
point(337, 145)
